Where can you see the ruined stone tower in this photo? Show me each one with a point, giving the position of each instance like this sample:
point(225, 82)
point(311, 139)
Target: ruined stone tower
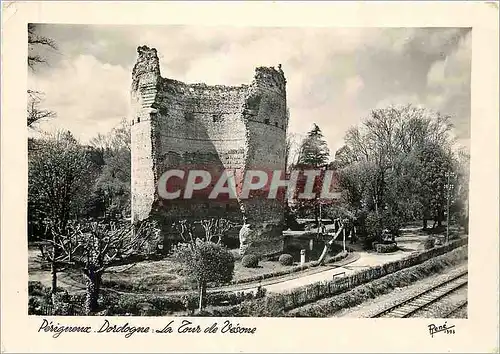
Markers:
point(175, 124)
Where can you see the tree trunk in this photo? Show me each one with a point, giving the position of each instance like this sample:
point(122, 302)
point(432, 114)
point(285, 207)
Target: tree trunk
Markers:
point(424, 222)
point(343, 240)
point(93, 280)
point(203, 291)
point(316, 214)
point(53, 273)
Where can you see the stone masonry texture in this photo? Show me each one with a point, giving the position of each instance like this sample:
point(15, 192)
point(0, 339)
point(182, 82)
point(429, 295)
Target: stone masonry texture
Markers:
point(181, 126)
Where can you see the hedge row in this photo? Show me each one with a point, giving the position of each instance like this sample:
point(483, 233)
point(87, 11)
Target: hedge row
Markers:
point(298, 268)
point(129, 304)
point(275, 304)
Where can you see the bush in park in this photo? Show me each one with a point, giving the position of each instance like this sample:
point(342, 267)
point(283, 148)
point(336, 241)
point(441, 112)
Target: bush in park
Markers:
point(429, 243)
point(250, 261)
point(392, 222)
point(373, 225)
point(386, 247)
point(286, 259)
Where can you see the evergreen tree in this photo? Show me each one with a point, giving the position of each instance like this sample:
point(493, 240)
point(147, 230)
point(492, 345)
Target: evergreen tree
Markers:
point(314, 151)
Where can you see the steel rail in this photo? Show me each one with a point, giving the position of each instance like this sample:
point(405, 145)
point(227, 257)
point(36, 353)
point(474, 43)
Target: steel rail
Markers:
point(427, 297)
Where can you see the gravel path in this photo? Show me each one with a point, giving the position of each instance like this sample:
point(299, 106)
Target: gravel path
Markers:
point(373, 306)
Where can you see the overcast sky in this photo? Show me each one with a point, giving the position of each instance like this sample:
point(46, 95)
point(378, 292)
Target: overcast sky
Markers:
point(335, 75)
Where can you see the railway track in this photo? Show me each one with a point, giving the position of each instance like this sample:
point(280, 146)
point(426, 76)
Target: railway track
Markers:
point(420, 301)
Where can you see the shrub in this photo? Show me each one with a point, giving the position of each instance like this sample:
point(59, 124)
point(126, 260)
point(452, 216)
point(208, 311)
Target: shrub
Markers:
point(207, 262)
point(367, 243)
point(392, 222)
point(34, 305)
point(36, 288)
point(130, 304)
point(261, 292)
point(373, 225)
point(386, 247)
point(286, 259)
point(429, 243)
point(154, 305)
point(189, 303)
point(250, 261)
point(291, 220)
point(147, 309)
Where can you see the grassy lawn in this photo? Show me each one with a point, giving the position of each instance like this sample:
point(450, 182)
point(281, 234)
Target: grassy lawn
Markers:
point(264, 267)
point(163, 275)
point(167, 275)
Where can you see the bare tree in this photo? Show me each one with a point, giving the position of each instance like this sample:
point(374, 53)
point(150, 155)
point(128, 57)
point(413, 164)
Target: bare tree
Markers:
point(36, 41)
point(34, 110)
point(55, 252)
point(94, 246)
point(292, 146)
point(214, 230)
point(35, 98)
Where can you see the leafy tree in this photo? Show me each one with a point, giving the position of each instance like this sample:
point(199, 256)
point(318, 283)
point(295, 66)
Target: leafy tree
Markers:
point(435, 163)
point(112, 194)
point(59, 177)
point(60, 174)
point(206, 262)
point(460, 204)
point(352, 185)
point(393, 165)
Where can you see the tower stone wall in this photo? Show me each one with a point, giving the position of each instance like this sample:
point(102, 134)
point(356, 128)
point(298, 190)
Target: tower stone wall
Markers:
point(179, 125)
